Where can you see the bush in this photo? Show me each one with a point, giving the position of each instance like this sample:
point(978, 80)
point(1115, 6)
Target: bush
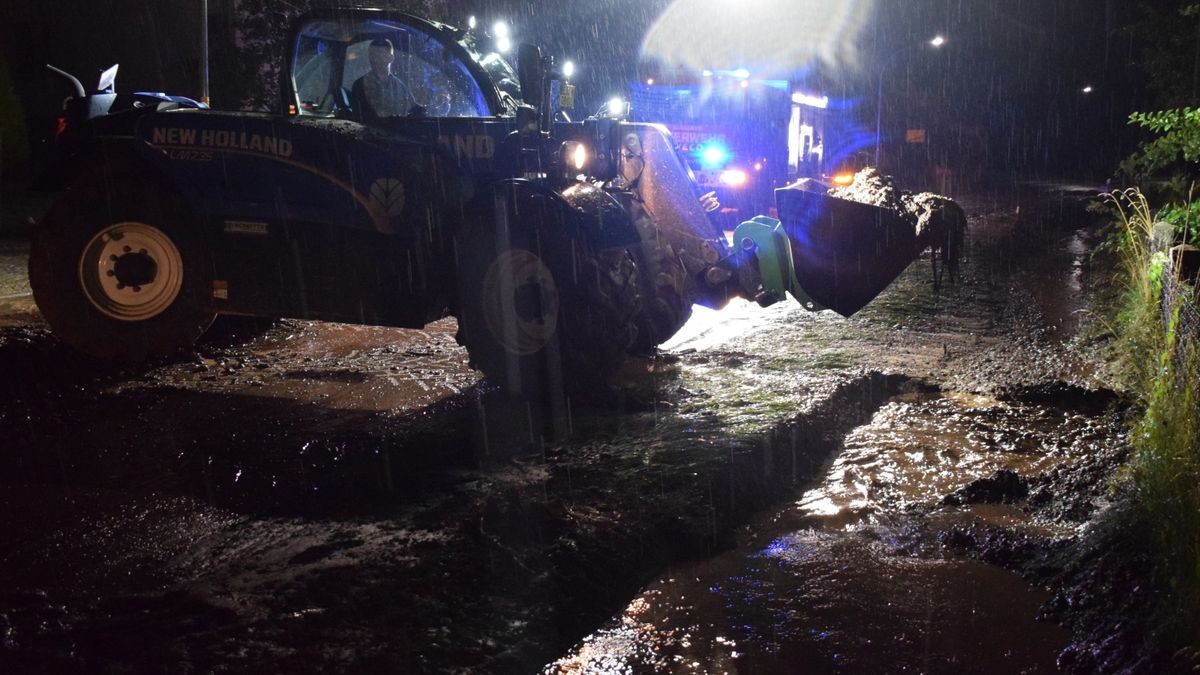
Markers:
point(1168, 165)
point(1184, 219)
point(1179, 137)
point(1167, 476)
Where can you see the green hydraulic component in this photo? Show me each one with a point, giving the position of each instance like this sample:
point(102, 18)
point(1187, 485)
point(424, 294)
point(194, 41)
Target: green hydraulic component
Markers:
point(765, 237)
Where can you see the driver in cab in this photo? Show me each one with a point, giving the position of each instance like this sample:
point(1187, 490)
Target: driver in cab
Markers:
point(379, 93)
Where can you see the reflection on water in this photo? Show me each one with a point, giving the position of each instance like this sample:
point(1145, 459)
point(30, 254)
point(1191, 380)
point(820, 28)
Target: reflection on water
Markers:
point(849, 579)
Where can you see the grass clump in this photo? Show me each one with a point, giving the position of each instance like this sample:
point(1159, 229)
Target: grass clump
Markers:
point(1139, 325)
point(1160, 362)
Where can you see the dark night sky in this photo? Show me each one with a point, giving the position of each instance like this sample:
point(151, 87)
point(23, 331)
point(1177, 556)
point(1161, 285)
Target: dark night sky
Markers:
point(1012, 70)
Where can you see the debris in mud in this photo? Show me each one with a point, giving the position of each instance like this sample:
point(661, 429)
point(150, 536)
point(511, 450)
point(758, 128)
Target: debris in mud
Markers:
point(872, 187)
point(1024, 552)
point(1103, 591)
point(1002, 487)
point(936, 219)
point(1065, 395)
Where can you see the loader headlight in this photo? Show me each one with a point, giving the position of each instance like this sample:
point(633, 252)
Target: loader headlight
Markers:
point(616, 108)
point(734, 178)
point(575, 155)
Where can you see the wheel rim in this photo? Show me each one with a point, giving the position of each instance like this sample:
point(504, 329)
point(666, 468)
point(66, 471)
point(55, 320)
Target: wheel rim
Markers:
point(520, 302)
point(131, 271)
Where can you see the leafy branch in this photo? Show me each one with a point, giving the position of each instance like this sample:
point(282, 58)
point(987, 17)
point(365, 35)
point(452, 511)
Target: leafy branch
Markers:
point(1179, 140)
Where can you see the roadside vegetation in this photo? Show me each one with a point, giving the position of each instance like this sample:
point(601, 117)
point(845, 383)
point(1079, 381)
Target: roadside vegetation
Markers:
point(1158, 361)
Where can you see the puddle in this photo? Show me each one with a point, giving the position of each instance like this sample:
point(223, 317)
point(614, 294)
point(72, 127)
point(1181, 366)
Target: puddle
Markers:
point(851, 576)
point(823, 602)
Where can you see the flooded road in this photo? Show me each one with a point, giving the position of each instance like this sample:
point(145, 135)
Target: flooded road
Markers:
point(775, 491)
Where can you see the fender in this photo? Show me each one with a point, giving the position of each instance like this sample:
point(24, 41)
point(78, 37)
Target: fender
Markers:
point(596, 215)
point(115, 159)
point(107, 142)
point(606, 224)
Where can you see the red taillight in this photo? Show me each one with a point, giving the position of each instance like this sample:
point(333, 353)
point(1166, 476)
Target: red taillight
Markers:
point(62, 126)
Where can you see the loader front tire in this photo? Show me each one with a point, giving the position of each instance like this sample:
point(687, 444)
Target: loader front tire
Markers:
point(119, 271)
point(663, 285)
point(540, 311)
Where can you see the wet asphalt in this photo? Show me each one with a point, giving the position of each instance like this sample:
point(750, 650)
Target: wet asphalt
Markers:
point(307, 497)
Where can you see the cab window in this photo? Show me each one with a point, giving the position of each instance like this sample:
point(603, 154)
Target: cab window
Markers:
point(434, 77)
point(311, 76)
point(332, 55)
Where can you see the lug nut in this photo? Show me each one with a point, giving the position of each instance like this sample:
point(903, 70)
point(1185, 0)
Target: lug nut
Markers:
point(716, 276)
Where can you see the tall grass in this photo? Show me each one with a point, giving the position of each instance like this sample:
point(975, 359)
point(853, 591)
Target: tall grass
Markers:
point(1161, 364)
point(1139, 324)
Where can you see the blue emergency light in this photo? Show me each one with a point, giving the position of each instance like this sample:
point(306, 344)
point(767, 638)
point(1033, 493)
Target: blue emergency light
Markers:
point(713, 154)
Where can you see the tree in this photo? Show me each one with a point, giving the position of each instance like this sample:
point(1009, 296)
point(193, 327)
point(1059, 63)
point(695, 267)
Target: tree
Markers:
point(1169, 31)
point(14, 140)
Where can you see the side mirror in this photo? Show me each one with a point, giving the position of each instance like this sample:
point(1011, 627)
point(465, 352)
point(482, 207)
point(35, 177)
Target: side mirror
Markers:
point(532, 74)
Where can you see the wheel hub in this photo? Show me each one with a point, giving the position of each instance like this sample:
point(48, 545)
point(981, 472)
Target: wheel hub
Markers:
point(131, 271)
point(528, 301)
point(134, 269)
point(520, 302)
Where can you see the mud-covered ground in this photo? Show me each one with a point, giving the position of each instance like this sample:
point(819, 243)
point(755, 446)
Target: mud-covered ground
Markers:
point(776, 490)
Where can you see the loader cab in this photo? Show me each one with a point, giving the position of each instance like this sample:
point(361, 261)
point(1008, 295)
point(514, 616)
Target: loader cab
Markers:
point(443, 75)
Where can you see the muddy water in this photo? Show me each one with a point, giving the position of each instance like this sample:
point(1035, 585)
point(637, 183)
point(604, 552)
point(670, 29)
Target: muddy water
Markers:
point(348, 367)
point(852, 577)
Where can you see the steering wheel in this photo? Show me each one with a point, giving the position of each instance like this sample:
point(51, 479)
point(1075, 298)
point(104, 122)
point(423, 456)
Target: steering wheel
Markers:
point(438, 104)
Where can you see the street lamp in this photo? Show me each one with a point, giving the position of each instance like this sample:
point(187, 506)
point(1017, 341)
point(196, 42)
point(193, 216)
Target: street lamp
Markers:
point(936, 42)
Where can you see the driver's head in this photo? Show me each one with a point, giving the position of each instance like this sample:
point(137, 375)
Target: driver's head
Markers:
point(380, 54)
